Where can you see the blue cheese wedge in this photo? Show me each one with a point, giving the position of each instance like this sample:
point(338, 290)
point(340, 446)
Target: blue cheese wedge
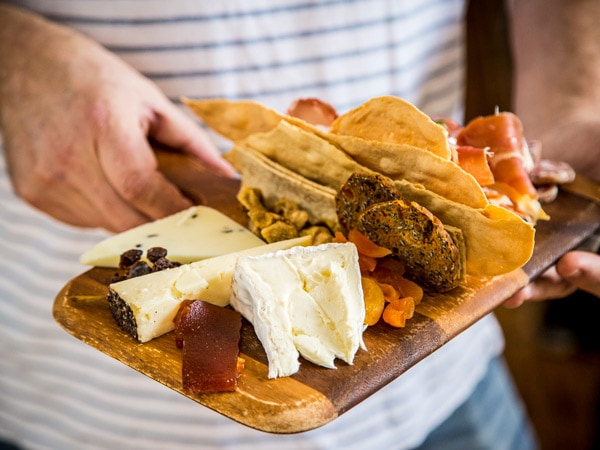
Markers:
point(193, 234)
point(303, 301)
point(145, 306)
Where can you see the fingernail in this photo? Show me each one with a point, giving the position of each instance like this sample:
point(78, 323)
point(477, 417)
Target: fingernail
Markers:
point(575, 273)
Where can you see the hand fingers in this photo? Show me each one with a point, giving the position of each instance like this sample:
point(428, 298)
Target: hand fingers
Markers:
point(575, 270)
point(105, 210)
point(174, 129)
point(89, 199)
point(117, 196)
point(131, 168)
point(548, 286)
point(76, 192)
point(582, 269)
point(538, 291)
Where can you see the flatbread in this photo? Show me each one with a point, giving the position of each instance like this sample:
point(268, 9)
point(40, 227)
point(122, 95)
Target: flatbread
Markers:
point(407, 162)
point(276, 182)
point(386, 135)
point(497, 240)
point(392, 119)
point(306, 154)
point(236, 120)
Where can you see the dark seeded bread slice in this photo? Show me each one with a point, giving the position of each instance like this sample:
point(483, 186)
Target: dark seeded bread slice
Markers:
point(459, 240)
point(419, 239)
point(358, 193)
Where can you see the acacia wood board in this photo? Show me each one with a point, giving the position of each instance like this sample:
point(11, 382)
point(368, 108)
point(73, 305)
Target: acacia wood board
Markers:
point(314, 395)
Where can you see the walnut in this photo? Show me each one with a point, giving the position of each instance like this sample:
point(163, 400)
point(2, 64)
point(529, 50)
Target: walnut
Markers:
point(279, 231)
point(250, 198)
point(319, 233)
point(285, 220)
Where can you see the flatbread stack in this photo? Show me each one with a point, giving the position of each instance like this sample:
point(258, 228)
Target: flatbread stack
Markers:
point(394, 159)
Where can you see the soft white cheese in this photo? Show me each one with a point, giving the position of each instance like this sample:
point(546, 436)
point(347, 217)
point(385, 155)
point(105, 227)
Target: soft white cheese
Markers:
point(193, 234)
point(155, 298)
point(303, 301)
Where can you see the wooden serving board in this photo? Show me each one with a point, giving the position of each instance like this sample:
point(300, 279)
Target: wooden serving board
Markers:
point(314, 396)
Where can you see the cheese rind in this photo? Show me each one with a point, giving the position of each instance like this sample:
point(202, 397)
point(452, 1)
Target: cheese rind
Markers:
point(193, 234)
point(152, 300)
point(303, 301)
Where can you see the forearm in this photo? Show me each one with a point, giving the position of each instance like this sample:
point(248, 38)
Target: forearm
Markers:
point(76, 123)
point(32, 49)
point(556, 45)
point(22, 35)
point(15, 25)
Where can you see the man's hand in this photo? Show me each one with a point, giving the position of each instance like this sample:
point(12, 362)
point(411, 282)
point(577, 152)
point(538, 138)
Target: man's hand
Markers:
point(575, 270)
point(560, 108)
point(76, 121)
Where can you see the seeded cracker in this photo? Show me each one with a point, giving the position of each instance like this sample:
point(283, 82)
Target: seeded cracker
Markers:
point(418, 238)
point(372, 205)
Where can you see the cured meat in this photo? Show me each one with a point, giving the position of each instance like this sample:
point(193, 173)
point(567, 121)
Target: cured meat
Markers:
point(509, 160)
point(503, 134)
point(552, 172)
point(474, 161)
point(209, 337)
point(313, 111)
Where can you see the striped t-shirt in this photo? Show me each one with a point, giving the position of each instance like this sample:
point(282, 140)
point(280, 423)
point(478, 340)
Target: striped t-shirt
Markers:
point(58, 393)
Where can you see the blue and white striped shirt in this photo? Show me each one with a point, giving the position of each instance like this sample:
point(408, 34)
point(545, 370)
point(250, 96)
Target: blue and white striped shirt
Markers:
point(58, 393)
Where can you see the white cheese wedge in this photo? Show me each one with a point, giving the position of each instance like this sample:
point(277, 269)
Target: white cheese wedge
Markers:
point(303, 301)
point(153, 299)
point(193, 234)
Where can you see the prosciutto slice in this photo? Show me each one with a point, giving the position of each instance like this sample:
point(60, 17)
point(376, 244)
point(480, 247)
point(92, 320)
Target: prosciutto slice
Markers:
point(313, 111)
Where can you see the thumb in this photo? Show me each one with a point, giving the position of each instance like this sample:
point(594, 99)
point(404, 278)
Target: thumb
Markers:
point(582, 269)
point(174, 129)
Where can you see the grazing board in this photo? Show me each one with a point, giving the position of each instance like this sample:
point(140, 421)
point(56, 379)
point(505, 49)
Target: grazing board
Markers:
point(314, 396)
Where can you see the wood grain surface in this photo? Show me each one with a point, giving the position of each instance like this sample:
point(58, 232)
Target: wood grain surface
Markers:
point(314, 396)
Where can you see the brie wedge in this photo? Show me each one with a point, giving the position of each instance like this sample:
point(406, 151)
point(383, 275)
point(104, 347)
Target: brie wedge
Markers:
point(303, 301)
point(193, 234)
point(145, 306)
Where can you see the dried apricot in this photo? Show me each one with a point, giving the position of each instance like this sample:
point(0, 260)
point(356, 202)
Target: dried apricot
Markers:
point(389, 292)
point(393, 265)
point(374, 300)
point(398, 311)
point(339, 238)
point(366, 263)
point(366, 246)
point(394, 317)
point(406, 304)
point(409, 288)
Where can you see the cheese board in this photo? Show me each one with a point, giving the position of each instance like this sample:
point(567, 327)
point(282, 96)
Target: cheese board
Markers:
point(313, 396)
